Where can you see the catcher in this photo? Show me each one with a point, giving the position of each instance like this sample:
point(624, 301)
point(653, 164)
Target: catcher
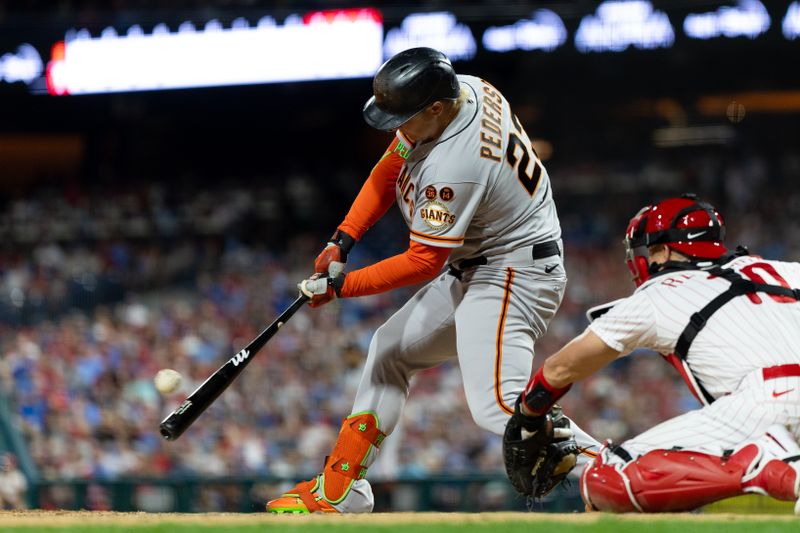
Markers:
point(729, 322)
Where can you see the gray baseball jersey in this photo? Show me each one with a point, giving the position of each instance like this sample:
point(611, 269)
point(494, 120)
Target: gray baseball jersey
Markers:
point(480, 188)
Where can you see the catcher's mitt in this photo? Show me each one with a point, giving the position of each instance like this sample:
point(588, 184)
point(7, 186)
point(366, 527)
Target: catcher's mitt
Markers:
point(539, 451)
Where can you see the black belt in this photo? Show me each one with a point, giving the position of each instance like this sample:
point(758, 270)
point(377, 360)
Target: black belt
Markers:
point(545, 249)
point(538, 251)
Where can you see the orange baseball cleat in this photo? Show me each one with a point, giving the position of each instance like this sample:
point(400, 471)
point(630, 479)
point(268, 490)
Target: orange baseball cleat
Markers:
point(302, 499)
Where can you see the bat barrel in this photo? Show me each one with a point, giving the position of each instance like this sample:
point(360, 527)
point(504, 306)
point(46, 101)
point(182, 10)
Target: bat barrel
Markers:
point(193, 406)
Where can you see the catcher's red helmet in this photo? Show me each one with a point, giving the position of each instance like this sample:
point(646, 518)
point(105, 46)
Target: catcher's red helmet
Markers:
point(687, 225)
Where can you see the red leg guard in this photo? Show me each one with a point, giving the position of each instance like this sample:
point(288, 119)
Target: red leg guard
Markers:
point(681, 481)
point(604, 488)
point(663, 481)
point(776, 479)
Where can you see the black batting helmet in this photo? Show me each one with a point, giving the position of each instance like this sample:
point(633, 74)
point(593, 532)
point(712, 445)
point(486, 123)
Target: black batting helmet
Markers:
point(406, 84)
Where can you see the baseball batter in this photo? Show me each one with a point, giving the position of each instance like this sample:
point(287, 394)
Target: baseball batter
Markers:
point(478, 201)
point(730, 324)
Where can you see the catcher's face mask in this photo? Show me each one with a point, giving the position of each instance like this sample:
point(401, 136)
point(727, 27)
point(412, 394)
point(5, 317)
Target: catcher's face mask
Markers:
point(637, 257)
point(687, 225)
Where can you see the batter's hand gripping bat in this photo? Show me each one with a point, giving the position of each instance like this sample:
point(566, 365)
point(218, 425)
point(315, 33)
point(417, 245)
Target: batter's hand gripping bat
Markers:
point(193, 406)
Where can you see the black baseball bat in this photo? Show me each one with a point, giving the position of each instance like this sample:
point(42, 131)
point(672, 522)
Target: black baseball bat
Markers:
point(193, 406)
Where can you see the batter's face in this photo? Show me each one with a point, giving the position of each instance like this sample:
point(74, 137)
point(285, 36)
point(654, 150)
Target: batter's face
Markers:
point(425, 125)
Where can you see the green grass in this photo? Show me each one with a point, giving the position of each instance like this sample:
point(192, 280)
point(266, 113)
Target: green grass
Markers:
point(752, 504)
point(602, 525)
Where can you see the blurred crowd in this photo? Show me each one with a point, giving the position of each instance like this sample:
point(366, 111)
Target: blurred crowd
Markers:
point(13, 484)
point(66, 250)
point(83, 393)
point(103, 292)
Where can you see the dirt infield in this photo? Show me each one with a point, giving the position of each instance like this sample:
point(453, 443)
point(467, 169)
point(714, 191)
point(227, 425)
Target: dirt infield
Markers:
point(75, 518)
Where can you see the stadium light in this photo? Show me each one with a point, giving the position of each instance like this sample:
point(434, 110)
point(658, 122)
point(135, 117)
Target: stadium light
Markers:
point(544, 31)
point(749, 18)
point(25, 65)
point(439, 30)
point(616, 25)
point(321, 45)
point(791, 21)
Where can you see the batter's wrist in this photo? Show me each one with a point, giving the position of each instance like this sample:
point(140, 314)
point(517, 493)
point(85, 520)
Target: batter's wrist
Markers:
point(337, 283)
point(344, 241)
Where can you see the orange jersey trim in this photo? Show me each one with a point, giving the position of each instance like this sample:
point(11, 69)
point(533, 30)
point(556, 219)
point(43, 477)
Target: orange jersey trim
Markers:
point(498, 360)
point(437, 238)
point(378, 192)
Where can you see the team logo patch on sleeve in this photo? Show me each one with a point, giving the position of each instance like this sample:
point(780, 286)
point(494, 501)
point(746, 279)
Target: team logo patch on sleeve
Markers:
point(437, 215)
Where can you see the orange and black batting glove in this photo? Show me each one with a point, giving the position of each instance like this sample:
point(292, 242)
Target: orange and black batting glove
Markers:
point(332, 259)
point(321, 288)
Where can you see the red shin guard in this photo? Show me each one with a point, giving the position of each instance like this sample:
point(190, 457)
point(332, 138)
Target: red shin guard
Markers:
point(663, 481)
point(604, 488)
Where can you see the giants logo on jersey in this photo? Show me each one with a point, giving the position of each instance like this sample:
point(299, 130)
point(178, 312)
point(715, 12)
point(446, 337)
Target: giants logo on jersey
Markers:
point(436, 215)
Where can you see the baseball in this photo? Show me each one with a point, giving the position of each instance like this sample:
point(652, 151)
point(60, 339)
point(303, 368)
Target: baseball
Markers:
point(167, 380)
point(735, 112)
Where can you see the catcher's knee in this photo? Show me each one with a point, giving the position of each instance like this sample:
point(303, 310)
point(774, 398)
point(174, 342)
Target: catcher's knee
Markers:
point(604, 487)
point(660, 480)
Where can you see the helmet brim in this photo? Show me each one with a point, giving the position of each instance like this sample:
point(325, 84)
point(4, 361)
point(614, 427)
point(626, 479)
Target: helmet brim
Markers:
point(384, 120)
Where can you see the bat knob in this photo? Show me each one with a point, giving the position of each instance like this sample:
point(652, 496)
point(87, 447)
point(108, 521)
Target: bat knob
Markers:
point(166, 432)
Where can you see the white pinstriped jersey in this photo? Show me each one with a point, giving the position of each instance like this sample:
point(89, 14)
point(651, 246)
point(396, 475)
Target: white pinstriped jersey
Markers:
point(747, 333)
point(479, 187)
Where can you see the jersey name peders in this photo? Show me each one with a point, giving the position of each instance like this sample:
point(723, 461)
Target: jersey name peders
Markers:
point(479, 188)
point(748, 333)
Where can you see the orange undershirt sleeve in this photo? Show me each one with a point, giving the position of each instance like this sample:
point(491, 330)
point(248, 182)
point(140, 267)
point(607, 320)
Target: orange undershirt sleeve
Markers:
point(419, 263)
point(377, 193)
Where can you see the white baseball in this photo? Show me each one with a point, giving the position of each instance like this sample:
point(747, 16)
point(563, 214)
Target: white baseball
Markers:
point(167, 380)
